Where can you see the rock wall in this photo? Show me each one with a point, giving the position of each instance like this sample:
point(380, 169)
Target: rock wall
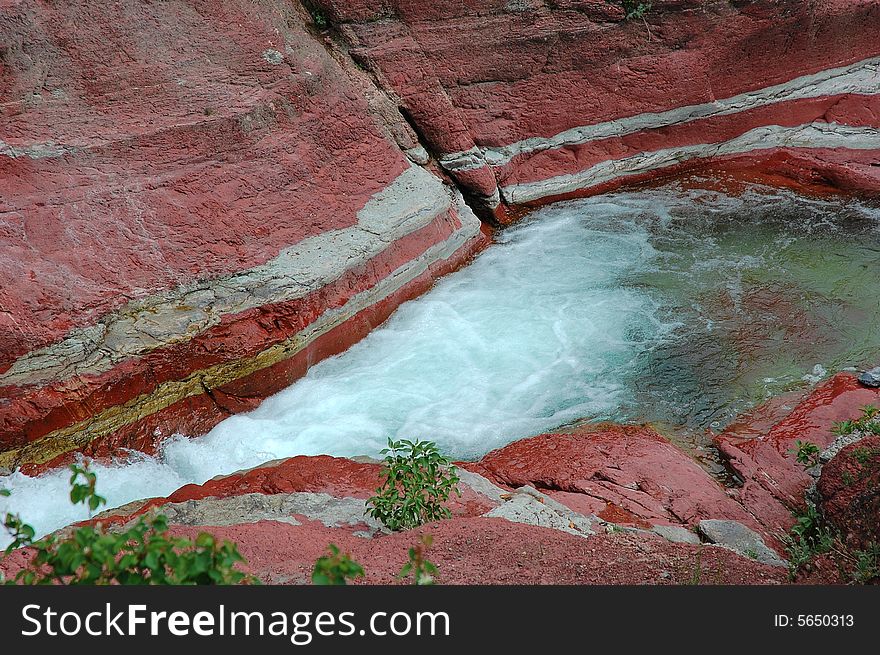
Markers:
point(202, 198)
point(525, 101)
point(199, 200)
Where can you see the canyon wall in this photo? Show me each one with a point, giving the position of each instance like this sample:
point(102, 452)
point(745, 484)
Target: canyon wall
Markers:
point(201, 198)
point(526, 101)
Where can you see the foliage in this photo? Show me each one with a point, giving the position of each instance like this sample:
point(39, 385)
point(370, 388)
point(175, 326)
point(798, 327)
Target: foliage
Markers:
point(633, 9)
point(864, 455)
point(142, 554)
point(866, 423)
point(808, 537)
point(422, 570)
point(417, 480)
point(807, 453)
point(335, 568)
point(867, 564)
point(319, 19)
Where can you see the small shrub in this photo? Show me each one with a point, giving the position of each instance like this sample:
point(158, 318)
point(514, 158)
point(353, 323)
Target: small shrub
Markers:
point(808, 537)
point(319, 19)
point(417, 480)
point(634, 9)
point(806, 453)
point(422, 570)
point(142, 554)
point(866, 423)
point(335, 568)
point(864, 455)
point(867, 564)
point(843, 428)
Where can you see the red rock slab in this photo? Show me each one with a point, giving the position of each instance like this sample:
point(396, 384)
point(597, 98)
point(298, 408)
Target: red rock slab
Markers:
point(488, 75)
point(773, 481)
point(856, 111)
point(629, 473)
point(482, 551)
point(30, 412)
point(518, 74)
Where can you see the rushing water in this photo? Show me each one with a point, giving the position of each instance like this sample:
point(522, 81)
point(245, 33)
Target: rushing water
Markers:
point(677, 307)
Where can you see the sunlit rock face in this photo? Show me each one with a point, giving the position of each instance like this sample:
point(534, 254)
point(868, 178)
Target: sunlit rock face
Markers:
point(192, 225)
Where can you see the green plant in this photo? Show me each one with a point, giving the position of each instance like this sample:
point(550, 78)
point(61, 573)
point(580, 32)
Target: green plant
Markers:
point(335, 568)
point(145, 553)
point(864, 455)
point(633, 8)
point(867, 564)
point(807, 538)
point(806, 453)
point(843, 428)
point(422, 570)
point(751, 553)
point(867, 422)
point(319, 19)
point(417, 480)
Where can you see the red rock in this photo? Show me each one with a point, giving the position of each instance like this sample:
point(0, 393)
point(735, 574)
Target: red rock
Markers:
point(478, 79)
point(137, 186)
point(335, 476)
point(773, 481)
point(495, 551)
point(849, 488)
point(627, 473)
point(483, 551)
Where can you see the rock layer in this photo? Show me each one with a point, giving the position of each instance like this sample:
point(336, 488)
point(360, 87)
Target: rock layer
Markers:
point(529, 101)
point(192, 215)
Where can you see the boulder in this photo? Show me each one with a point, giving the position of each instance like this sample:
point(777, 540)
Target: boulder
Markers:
point(740, 539)
point(849, 492)
point(629, 475)
point(763, 457)
point(871, 378)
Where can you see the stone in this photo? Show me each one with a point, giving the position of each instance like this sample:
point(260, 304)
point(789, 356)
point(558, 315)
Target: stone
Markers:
point(740, 539)
point(676, 534)
point(849, 492)
point(871, 378)
point(759, 448)
point(612, 107)
point(528, 505)
point(216, 210)
point(628, 475)
point(330, 510)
